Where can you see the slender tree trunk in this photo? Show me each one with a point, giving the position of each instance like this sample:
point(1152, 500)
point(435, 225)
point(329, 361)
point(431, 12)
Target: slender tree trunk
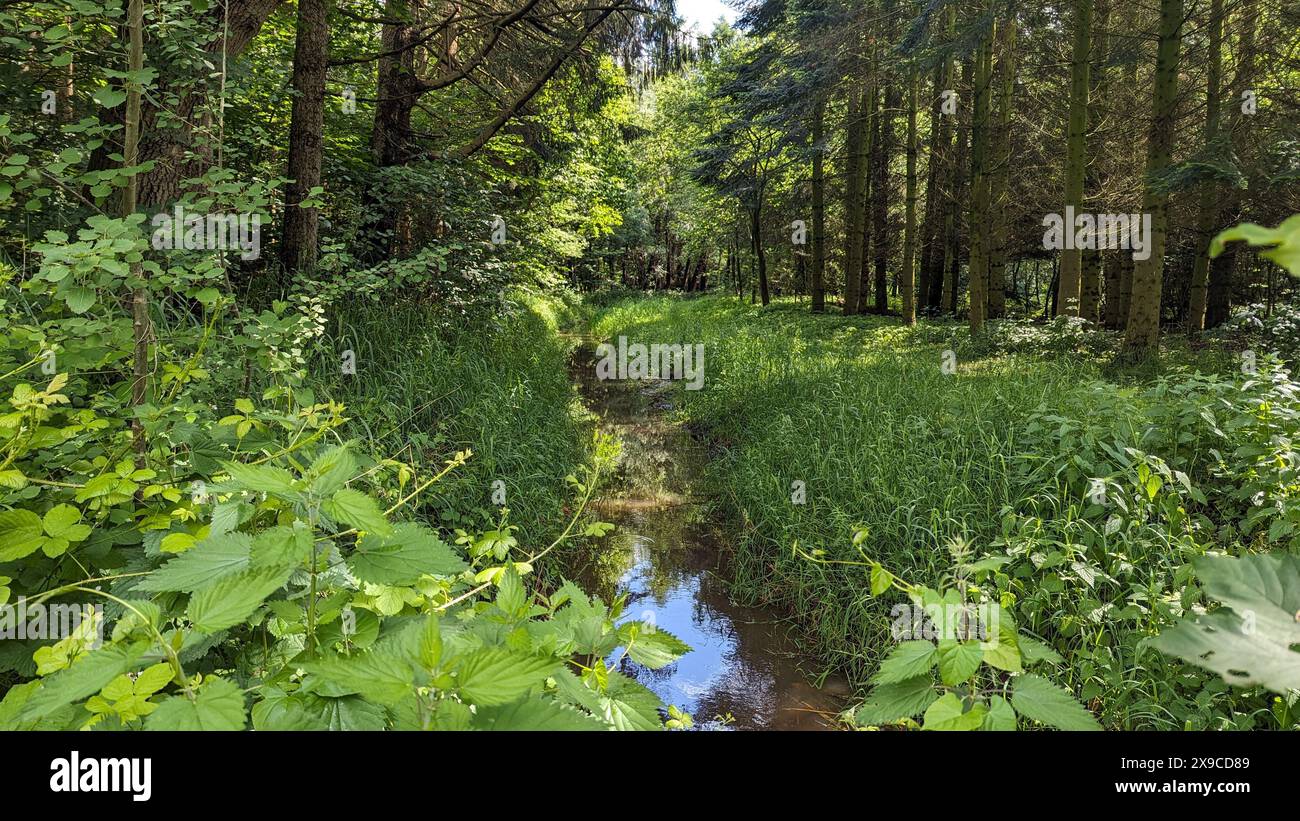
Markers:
point(883, 155)
point(1208, 205)
point(756, 234)
point(856, 125)
point(907, 280)
point(141, 329)
point(1001, 171)
point(819, 208)
point(871, 107)
point(979, 209)
point(1143, 331)
point(1219, 299)
point(952, 222)
point(301, 225)
point(1090, 289)
point(930, 221)
point(1071, 282)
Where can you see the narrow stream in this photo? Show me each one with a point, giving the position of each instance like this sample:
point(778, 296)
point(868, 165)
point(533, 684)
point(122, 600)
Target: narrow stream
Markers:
point(743, 671)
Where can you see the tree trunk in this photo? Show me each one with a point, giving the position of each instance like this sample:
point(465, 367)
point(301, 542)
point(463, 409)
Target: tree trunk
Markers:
point(1090, 290)
point(1219, 298)
point(907, 280)
point(141, 330)
point(1143, 332)
point(856, 125)
point(756, 235)
point(819, 208)
point(301, 225)
point(1071, 282)
point(979, 208)
point(1001, 171)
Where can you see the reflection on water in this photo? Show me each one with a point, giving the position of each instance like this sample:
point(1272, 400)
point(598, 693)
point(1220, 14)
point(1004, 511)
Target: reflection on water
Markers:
point(742, 671)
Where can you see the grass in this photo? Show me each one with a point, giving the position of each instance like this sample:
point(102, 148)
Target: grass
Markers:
point(426, 388)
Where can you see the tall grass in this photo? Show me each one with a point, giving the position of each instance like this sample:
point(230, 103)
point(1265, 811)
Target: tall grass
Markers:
point(427, 386)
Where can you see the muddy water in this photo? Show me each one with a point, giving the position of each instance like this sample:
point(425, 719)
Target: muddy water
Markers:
point(743, 671)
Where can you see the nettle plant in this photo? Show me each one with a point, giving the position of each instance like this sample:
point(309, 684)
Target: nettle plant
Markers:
point(961, 660)
point(297, 596)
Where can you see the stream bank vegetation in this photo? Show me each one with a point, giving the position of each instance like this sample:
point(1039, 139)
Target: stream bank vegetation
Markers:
point(288, 296)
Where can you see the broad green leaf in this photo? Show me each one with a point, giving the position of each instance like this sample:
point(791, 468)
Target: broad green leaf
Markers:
point(907, 660)
point(535, 713)
point(331, 470)
point(63, 522)
point(495, 675)
point(218, 705)
point(234, 598)
point(1253, 638)
point(894, 702)
point(21, 534)
point(1040, 700)
point(87, 676)
point(655, 648)
point(358, 510)
point(260, 479)
point(1000, 716)
point(410, 552)
point(1283, 242)
point(214, 559)
point(946, 714)
point(1032, 650)
point(958, 660)
point(381, 675)
point(1003, 652)
point(281, 546)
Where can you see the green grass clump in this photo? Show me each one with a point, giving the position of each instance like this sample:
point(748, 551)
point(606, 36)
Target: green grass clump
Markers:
point(426, 387)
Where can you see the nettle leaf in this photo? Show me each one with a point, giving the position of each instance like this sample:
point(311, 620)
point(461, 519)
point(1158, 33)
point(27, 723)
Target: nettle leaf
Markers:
point(494, 675)
point(895, 702)
point(946, 714)
point(907, 660)
point(358, 510)
point(958, 660)
point(630, 705)
point(654, 647)
point(218, 705)
point(1032, 650)
point(281, 546)
point(1001, 717)
point(216, 558)
point(234, 598)
point(259, 479)
point(1003, 651)
point(1253, 638)
point(383, 675)
point(331, 470)
point(401, 558)
point(1040, 700)
point(535, 714)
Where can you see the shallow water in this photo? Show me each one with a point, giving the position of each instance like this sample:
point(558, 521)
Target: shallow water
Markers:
point(743, 671)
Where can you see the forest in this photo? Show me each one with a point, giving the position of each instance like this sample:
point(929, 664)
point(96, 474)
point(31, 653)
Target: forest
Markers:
point(598, 365)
